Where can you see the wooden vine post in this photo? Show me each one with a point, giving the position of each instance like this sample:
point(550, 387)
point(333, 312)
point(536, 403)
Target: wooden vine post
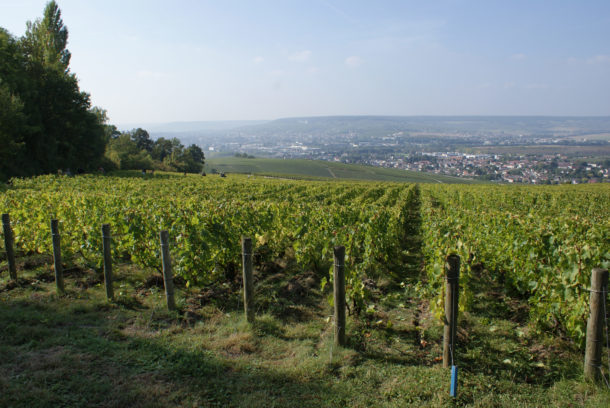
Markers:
point(246, 252)
point(339, 294)
point(59, 272)
point(168, 279)
point(452, 276)
point(106, 242)
point(597, 299)
point(8, 245)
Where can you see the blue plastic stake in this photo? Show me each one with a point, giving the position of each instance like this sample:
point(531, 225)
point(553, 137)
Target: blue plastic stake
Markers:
point(454, 381)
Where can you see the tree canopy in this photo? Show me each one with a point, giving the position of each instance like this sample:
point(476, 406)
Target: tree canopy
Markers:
point(46, 122)
point(136, 150)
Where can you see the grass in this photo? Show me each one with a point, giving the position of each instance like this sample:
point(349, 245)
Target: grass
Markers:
point(81, 350)
point(322, 169)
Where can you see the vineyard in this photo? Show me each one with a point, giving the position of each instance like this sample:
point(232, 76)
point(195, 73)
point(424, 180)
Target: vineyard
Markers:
point(540, 242)
point(537, 243)
point(206, 219)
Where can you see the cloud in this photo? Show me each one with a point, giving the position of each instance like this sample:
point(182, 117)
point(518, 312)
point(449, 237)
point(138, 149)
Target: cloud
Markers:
point(276, 72)
point(258, 60)
point(518, 57)
point(599, 59)
point(300, 56)
point(353, 61)
point(313, 70)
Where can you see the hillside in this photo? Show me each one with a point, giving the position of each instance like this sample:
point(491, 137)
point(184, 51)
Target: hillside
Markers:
point(376, 125)
point(525, 253)
point(314, 168)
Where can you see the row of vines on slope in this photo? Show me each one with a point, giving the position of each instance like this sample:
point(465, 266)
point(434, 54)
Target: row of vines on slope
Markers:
point(542, 242)
point(207, 217)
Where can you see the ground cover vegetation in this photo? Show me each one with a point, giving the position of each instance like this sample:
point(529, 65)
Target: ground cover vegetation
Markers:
point(526, 256)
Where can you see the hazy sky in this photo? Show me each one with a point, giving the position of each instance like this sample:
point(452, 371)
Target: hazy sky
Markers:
point(161, 61)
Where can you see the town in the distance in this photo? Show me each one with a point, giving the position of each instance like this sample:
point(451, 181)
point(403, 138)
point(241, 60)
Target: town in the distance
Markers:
point(504, 149)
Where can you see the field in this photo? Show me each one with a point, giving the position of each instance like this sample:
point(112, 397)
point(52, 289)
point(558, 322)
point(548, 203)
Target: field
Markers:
point(323, 169)
point(526, 256)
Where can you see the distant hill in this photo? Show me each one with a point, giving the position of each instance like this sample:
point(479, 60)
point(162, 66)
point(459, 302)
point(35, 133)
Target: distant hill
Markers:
point(195, 126)
point(298, 168)
point(375, 125)
point(526, 125)
point(375, 128)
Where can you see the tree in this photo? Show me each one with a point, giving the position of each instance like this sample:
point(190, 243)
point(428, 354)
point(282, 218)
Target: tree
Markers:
point(110, 131)
point(195, 154)
point(12, 121)
point(192, 159)
point(142, 139)
point(125, 154)
point(162, 148)
point(45, 40)
point(13, 125)
point(63, 131)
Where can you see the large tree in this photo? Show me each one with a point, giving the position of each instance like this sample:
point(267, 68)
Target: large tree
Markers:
point(11, 142)
point(125, 154)
point(45, 40)
point(44, 112)
point(142, 139)
point(12, 118)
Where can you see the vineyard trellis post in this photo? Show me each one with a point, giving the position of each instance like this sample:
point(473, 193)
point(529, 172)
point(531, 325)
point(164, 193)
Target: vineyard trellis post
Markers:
point(106, 242)
point(8, 245)
point(168, 279)
point(246, 251)
point(59, 272)
point(595, 324)
point(452, 276)
point(339, 294)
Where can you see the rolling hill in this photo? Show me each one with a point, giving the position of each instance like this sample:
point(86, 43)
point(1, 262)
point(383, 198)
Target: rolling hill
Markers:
point(322, 169)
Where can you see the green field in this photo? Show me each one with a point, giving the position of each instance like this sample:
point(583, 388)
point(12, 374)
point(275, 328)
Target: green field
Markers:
point(322, 169)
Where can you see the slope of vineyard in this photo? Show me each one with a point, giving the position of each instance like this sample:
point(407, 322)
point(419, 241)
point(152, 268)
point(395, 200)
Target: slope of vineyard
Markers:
point(539, 242)
point(527, 255)
point(206, 218)
point(325, 169)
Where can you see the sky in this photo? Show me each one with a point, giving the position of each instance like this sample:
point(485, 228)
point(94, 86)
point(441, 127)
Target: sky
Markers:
point(186, 60)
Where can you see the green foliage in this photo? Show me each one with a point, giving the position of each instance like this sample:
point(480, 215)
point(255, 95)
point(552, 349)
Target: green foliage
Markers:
point(206, 218)
point(142, 139)
point(45, 40)
point(47, 123)
point(135, 150)
point(12, 121)
point(123, 151)
point(540, 242)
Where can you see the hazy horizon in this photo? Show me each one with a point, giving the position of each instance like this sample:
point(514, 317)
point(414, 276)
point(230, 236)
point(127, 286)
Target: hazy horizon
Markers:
point(157, 63)
point(158, 126)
